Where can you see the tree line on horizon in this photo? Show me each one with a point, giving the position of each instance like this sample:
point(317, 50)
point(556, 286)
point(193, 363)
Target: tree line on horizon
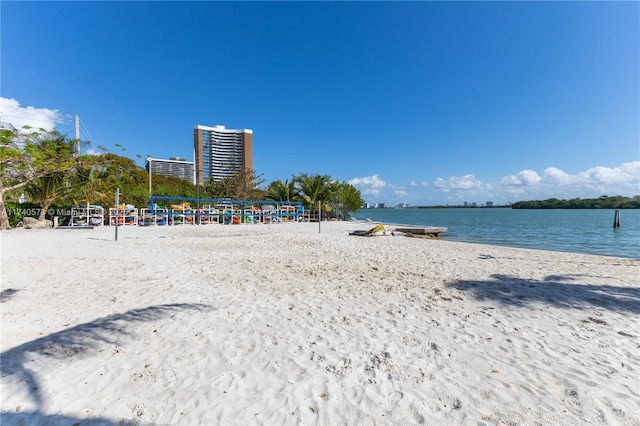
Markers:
point(45, 166)
point(603, 202)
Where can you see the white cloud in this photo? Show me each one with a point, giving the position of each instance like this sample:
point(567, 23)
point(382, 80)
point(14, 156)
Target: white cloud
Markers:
point(19, 116)
point(413, 183)
point(455, 183)
point(376, 187)
point(369, 185)
point(369, 191)
point(524, 178)
point(592, 183)
point(558, 177)
point(368, 181)
point(626, 173)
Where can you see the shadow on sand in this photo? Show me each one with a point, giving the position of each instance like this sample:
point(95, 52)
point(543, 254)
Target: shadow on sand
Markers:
point(560, 291)
point(79, 340)
point(6, 295)
point(29, 419)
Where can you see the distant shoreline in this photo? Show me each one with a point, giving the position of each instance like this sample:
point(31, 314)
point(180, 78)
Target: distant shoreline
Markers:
point(501, 207)
point(604, 202)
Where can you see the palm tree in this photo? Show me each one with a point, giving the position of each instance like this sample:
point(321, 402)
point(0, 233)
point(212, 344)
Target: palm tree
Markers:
point(92, 187)
point(283, 191)
point(47, 189)
point(314, 188)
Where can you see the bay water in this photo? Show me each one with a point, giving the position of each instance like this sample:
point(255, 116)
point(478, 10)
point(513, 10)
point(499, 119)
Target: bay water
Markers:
point(578, 231)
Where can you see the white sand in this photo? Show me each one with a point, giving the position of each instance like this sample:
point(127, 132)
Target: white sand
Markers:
point(278, 324)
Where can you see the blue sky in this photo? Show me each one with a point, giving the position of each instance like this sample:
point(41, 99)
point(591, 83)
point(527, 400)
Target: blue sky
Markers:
point(417, 102)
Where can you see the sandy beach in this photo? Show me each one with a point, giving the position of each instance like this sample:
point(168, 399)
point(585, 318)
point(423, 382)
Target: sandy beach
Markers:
point(280, 324)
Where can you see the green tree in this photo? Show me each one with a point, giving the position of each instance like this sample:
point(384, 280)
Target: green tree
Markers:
point(345, 199)
point(314, 188)
point(28, 155)
point(283, 191)
point(603, 202)
point(123, 173)
point(213, 188)
point(48, 189)
point(172, 186)
point(244, 185)
point(90, 186)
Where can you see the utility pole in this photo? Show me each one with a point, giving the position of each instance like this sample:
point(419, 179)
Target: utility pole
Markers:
point(117, 211)
point(78, 134)
point(149, 168)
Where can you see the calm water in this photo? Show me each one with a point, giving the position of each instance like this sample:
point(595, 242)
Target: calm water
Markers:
point(577, 231)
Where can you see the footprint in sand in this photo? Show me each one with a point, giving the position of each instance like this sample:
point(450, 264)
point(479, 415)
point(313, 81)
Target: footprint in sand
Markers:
point(393, 400)
point(340, 368)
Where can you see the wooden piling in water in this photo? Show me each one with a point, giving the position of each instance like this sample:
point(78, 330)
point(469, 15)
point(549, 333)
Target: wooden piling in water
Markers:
point(616, 220)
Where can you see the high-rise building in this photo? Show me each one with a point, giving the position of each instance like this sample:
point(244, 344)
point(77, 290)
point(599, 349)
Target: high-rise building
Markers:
point(176, 166)
point(221, 152)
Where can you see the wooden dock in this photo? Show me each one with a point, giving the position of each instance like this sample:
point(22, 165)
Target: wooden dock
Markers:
point(418, 231)
point(75, 227)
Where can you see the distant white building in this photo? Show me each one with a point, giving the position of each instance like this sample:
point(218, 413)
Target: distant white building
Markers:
point(176, 166)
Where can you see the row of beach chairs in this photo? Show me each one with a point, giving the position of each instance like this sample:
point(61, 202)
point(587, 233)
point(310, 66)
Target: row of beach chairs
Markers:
point(222, 214)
